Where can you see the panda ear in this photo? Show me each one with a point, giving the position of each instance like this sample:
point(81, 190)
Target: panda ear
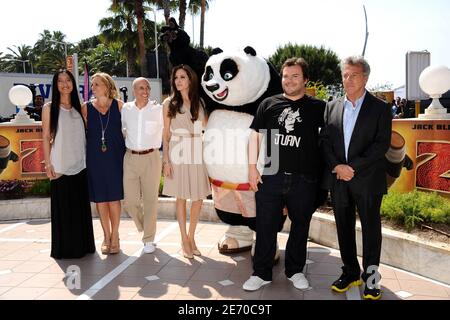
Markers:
point(250, 50)
point(216, 51)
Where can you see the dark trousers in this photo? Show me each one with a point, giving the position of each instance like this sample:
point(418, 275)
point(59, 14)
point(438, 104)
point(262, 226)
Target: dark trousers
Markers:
point(296, 192)
point(368, 207)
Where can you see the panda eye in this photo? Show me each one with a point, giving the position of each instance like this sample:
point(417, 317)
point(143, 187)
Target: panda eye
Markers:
point(209, 76)
point(228, 76)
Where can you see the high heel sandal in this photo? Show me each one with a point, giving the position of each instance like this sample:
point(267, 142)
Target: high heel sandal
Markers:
point(114, 249)
point(185, 253)
point(195, 251)
point(105, 248)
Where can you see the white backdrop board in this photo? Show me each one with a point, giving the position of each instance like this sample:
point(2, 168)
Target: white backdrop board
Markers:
point(43, 84)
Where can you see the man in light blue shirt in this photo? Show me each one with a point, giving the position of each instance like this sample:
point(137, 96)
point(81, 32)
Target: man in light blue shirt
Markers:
point(351, 113)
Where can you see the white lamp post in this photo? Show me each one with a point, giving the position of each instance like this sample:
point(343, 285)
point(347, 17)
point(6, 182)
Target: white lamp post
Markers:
point(63, 43)
point(23, 62)
point(435, 81)
point(21, 96)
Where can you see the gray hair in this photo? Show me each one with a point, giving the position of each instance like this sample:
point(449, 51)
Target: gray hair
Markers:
point(133, 85)
point(356, 61)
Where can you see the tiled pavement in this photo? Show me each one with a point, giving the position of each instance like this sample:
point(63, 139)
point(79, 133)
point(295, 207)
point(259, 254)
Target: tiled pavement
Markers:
point(28, 272)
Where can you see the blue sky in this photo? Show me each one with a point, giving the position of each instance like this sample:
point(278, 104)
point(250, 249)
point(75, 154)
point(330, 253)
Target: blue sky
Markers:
point(395, 27)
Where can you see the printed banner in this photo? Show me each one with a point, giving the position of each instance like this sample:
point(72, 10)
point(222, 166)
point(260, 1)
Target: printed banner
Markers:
point(426, 145)
point(21, 152)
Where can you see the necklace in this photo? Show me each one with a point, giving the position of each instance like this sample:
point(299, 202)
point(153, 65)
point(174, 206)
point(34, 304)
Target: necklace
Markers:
point(103, 145)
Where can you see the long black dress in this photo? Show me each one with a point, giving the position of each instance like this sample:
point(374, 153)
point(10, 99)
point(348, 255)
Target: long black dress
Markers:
point(72, 232)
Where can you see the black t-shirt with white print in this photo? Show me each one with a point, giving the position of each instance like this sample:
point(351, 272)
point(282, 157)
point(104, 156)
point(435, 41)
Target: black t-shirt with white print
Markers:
point(298, 124)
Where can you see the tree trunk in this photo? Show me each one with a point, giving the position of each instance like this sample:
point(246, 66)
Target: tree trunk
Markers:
point(131, 55)
point(166, 8)
point(202, 22)
point(182, 17)
point(131, 58)
point(139, 8)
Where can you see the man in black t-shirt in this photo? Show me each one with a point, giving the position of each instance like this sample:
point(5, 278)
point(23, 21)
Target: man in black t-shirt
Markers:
point(290, 124)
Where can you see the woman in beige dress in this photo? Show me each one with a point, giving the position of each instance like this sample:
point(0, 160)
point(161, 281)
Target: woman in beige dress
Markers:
point(183, 167)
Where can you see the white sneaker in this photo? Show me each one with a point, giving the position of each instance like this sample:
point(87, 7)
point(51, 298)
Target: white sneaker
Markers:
point(254, 283)
point(299, 281)
point(149, 247)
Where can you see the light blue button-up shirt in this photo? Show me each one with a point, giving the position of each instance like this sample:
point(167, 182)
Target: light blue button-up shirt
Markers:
point(350, 116)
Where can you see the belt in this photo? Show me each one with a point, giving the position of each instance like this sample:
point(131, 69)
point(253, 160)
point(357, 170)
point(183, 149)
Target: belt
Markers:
point(142, 152)
point(230, 185)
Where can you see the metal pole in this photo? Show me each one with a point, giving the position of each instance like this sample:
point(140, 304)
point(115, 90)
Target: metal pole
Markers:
point(63, 43)
point(156, 46)
point(75, 70)
point(367, 32)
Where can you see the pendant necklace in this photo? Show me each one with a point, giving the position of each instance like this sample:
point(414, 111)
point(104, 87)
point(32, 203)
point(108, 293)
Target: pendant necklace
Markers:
point(103, 145)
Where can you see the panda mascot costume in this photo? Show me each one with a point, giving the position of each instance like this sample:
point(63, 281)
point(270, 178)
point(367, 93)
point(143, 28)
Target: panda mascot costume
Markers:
point(237, 82)
point(233, 85)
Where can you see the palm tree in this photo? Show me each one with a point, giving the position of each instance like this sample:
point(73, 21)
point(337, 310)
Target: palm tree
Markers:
point(139, 11)
point(165, 4)
point(51, 55)
point(120, 28)
point(202, 23)
point(182, 5)
point(194, 7)
point(19, 60)
point(107, 59)
point(139, 33)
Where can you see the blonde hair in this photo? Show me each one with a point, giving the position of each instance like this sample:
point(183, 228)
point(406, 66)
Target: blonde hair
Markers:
point(108, 81)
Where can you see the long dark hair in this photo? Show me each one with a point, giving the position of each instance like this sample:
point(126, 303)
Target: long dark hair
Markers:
point(56, 100)
point(176, 101)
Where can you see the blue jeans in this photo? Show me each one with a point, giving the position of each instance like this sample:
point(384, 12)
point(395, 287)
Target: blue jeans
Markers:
point(297, 192)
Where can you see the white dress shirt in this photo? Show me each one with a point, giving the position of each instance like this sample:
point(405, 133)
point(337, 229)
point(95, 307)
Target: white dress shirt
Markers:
point(143, 127)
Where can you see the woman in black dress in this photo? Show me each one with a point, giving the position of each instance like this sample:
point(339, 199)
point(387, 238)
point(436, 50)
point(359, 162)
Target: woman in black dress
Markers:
point(64, 144)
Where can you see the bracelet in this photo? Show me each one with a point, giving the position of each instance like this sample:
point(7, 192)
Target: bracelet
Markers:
point(47, 166)
point(165, 162)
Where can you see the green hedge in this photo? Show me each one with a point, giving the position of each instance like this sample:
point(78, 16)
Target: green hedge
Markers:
point(40, 187)
point(161, 185)
point(413, 208)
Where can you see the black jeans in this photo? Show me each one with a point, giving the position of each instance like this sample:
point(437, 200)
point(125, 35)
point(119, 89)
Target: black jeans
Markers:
point(297, 192)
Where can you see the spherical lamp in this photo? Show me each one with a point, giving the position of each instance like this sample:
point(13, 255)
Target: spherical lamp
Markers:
point(435, 81)
point(21, 96)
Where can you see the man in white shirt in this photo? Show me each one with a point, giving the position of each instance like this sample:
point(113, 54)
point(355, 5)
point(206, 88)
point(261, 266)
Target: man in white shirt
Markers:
point(142, 124)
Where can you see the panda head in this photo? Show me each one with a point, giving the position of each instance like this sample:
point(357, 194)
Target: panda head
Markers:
point(235, 79)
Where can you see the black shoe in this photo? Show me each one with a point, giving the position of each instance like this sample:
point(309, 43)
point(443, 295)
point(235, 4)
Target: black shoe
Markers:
point(371, 293)
point(345, 282)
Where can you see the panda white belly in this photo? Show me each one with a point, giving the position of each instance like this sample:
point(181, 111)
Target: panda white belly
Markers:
point(225, 148)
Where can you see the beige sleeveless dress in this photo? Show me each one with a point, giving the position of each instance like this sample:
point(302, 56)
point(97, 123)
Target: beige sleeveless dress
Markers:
point(190, 179)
